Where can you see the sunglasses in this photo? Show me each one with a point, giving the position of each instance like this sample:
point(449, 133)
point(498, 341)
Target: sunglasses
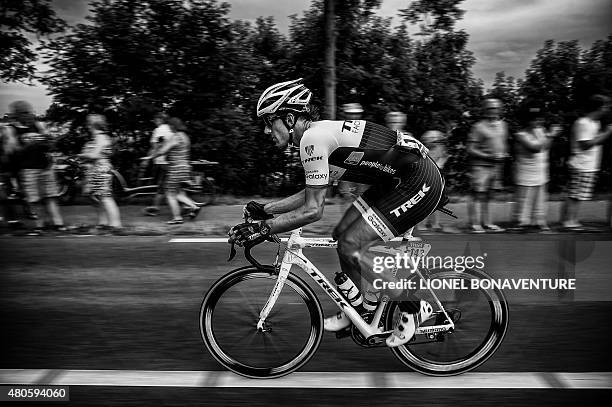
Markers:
point(269, 119)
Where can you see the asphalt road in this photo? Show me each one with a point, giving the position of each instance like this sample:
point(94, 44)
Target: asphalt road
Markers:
point(132, 303)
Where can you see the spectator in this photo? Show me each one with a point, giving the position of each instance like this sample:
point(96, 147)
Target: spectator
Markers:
point(434, 141)
point(8, 170)
point(531, 176)
point(585, 159)
point(160, 165)
point(36, 171)
point(397, 121)
point(349, 190)
point(97, 153)
point(487, 148)
point(177, 148)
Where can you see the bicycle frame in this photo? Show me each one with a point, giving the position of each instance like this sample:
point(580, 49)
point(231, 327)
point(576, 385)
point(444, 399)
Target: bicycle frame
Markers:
point(294, 256)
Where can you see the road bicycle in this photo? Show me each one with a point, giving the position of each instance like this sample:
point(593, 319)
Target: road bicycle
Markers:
point(264, 321)
point(70, 172)
point(200, 188)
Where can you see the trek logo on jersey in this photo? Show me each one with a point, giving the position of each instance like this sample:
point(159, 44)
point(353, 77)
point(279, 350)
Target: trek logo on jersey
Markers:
point(309, 149)
point(352, 126)
point(354, 158)
point(382, 167)
point(411, 202)
point(311, 159)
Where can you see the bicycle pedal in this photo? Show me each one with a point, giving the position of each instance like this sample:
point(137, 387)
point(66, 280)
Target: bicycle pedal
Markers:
point(344, 333)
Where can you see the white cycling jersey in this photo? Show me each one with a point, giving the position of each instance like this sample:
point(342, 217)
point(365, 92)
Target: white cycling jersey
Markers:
point(354, 150)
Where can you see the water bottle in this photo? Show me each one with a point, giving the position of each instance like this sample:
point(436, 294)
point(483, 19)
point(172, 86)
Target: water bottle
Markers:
point(370, 300)
point(349, 290)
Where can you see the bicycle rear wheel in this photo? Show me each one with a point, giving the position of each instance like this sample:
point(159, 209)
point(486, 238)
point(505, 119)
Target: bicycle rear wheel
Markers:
point(481, 320)
point(229, 316)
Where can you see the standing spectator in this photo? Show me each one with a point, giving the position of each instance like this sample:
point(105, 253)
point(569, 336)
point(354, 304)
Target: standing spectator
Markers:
point(160, 165)
point(36, 171)
point(487, 148)
point(349, 190)
point(434, 141)
point(531, 176)
point(97, 152)
point(585, 159)
point(8, 170)
point(397, 121)
point(177, 148)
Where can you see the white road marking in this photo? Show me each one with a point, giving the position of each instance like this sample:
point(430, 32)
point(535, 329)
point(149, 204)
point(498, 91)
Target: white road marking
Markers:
point(404, 380)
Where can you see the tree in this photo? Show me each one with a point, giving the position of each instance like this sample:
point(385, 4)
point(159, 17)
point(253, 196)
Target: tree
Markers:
point(186, 57)
point(549, 80)
point(594, 74)
point(19, 20)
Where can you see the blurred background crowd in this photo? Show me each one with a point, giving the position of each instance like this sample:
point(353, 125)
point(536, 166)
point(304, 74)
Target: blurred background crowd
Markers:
point(119, 80)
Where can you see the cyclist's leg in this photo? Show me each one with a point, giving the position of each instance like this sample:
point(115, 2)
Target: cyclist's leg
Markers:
point(415, 198)
point(350, 216)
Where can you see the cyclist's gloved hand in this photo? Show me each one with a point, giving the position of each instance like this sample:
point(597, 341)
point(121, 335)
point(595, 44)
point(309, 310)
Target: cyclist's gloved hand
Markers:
point(256, 211)
point(248, 232)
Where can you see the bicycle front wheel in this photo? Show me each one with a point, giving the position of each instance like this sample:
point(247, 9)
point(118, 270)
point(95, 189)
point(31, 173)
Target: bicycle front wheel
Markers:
point(228, 323)
point(480, 317)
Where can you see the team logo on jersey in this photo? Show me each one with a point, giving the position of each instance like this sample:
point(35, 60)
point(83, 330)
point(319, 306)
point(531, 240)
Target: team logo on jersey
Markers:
point(352, 126)
point(411, 202)
point(311, 159)
point(379, 166)
point(309, 149)
point(354, 158)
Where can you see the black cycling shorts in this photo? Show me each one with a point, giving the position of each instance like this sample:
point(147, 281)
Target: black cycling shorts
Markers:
point(393, 207)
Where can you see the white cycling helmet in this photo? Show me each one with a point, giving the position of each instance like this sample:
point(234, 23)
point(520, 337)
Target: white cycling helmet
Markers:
point(284, 96)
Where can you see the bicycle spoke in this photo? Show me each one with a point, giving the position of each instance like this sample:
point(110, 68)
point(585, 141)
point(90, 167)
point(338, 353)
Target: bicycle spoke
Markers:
point(247, 301)
point(268, 341)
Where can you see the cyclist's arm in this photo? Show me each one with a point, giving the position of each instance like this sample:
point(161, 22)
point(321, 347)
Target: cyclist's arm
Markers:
point(285, 205)
point(310, 211)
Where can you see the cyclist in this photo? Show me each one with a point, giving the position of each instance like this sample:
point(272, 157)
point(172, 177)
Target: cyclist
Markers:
point(405, 187)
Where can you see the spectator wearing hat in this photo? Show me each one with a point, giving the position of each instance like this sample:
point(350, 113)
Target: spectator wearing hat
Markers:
point(531, 175)
point(397, 121)
point(348, 190)
point(585, 160)
point(36, 173)
point(434, 140)
point(487, 148)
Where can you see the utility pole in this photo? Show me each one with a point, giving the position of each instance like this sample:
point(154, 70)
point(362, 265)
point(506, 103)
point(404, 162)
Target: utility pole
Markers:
point(329, 72)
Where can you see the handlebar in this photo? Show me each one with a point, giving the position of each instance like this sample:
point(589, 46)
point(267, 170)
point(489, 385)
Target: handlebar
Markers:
point(247, 249)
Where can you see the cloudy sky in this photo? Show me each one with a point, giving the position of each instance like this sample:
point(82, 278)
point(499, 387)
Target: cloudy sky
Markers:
point(504, 34)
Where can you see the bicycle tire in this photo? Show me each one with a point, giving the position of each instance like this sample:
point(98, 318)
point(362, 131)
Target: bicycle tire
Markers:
point(221, 352)
point(423, 360)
